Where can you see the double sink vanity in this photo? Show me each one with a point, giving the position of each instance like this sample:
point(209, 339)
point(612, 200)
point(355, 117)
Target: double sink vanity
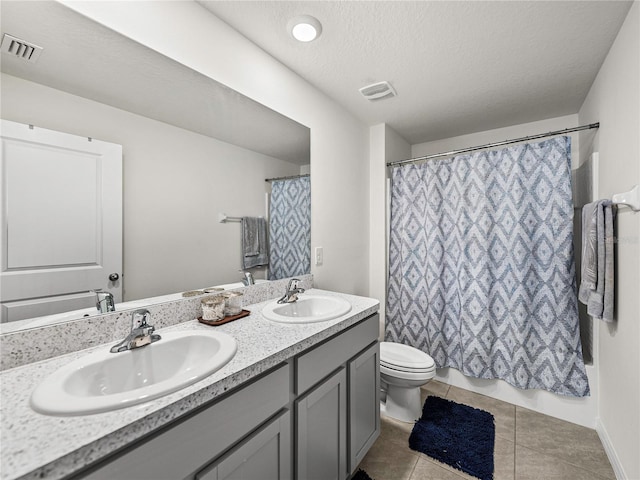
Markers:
point(288, 392)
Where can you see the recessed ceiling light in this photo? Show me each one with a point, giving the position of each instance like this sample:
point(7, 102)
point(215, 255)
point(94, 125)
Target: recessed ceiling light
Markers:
point(304, 28)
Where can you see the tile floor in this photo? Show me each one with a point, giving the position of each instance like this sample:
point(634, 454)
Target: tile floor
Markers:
point(528, 446)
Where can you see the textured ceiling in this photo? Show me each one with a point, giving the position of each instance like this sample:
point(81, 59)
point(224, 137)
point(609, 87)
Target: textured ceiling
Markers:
point(458, 66)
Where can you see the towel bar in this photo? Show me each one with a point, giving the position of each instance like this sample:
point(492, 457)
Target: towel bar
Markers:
point(630, 199)
point(222, 218)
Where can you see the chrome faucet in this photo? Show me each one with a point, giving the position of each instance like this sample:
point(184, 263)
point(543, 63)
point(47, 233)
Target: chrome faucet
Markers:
point(248, 279)
point(291, 295)
point(104, 301)
point(141, 332)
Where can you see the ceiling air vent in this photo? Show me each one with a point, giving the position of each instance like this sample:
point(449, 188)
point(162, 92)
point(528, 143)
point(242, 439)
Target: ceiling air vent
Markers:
point(378, 90)
point(20, 49)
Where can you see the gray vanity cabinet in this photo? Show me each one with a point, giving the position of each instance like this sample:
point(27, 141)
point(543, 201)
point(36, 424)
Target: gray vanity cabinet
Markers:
point(181, 450)
point(265, 455)
point(337, 411)
point(313, 417)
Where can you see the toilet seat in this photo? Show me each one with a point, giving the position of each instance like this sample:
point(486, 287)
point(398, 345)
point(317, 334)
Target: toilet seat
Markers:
point(392, 375)
point(404, 358)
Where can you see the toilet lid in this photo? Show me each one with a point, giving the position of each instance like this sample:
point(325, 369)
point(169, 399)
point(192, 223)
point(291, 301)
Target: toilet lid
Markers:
point(404, 357)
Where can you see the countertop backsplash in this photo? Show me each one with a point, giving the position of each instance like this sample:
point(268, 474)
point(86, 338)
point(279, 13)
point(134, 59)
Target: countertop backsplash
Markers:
point(32, 345)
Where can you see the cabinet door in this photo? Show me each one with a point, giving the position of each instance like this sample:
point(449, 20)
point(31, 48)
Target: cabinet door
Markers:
point(266, 455)
point(321, 431)
point(364, 403)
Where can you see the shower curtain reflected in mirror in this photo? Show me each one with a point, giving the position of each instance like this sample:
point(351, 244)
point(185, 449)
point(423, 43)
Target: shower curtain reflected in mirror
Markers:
point(481, 266)
point(290, 228)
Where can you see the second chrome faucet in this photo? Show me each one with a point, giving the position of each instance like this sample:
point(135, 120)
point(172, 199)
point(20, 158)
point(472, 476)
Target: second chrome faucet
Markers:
point(291, 295)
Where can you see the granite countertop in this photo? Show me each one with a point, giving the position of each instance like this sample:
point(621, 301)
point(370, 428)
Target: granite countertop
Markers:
point(41, 446)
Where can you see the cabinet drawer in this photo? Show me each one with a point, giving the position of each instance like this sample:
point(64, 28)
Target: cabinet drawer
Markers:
point(317, 363)
point(190, 444)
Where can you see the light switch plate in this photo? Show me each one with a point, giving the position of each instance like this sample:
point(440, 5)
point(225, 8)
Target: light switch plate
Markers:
point(319, 256)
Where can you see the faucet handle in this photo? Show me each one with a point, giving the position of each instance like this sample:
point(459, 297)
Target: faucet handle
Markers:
point(293, 286)
point(145, 314)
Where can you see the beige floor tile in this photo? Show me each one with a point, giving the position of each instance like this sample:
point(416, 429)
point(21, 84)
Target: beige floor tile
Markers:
point(427, 469)
point(388, 461)
point(436, 388)
point(395, 432)
point(564, 441)
point(528, 446)
point(504, 459)
point(532, 465)
point(504, 413)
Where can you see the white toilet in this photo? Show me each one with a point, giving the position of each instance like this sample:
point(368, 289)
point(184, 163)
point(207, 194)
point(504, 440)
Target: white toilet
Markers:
point(403, 370)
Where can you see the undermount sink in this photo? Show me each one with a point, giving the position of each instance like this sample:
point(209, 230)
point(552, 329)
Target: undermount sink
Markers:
point(104, 381)
point(307, 309)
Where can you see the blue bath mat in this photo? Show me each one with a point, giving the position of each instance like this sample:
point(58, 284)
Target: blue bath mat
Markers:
point(458, 435)
point(361, 475)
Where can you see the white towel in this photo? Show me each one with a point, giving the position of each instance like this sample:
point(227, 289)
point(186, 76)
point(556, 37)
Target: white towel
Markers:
point(597, 282)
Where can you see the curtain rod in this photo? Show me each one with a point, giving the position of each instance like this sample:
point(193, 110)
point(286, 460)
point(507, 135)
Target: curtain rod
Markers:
point(491, 145)
point(286, 178)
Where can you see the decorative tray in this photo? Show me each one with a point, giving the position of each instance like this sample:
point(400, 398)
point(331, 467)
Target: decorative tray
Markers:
point(230, 318)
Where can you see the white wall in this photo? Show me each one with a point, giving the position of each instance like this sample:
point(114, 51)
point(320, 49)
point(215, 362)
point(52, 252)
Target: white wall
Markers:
point(175, 183)
point(614, 101)
point(339, 143)
point(385, 145)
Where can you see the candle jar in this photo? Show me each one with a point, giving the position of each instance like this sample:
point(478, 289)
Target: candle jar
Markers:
point(213, 308)
point(233, 301)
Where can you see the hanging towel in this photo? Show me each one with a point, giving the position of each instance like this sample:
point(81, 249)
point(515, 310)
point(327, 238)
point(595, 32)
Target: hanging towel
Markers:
point(596, 285)
point(254, 242)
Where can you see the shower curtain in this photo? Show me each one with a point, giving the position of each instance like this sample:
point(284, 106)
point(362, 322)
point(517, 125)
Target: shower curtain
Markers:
point(290, 228)
point(481, 269)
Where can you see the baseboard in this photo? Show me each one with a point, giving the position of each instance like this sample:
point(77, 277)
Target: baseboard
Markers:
point(618, 469)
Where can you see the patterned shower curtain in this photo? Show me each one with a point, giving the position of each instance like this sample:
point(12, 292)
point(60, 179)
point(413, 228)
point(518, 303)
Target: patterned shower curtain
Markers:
point(481, 269)
point(290, 228)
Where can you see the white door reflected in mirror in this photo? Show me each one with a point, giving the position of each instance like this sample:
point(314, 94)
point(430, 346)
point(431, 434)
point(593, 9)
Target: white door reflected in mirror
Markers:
point(61, 199)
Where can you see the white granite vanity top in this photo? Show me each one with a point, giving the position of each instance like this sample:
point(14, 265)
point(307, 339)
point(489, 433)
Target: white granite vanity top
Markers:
point(40, 446)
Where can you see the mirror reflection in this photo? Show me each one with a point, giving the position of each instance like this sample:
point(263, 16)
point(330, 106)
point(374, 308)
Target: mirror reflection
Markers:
point(191, 150)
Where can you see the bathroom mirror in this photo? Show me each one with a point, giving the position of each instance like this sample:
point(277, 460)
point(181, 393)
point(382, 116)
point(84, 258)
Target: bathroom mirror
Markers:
point(192, 147)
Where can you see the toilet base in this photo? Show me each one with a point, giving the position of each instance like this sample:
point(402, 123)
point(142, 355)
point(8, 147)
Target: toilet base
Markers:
point(402, 403)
